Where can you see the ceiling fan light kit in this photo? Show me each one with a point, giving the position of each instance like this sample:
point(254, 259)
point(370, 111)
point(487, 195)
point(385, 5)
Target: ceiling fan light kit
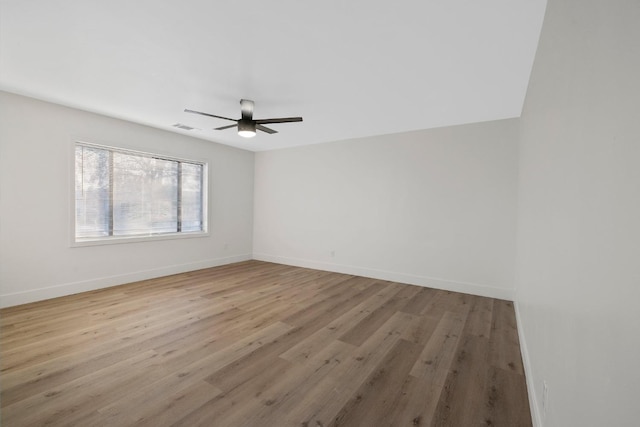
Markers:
point(247, 126)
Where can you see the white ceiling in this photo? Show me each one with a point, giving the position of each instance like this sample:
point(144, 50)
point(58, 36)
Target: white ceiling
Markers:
point(350, 68)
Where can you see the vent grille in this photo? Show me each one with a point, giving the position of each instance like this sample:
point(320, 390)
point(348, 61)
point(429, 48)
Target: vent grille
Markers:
point(183, 127)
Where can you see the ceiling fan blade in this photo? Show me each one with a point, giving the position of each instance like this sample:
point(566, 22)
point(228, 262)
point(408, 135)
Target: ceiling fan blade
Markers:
point(225, 127)
point(208, 115)
point(246, 105)
point(265, 129)
point(280, 120)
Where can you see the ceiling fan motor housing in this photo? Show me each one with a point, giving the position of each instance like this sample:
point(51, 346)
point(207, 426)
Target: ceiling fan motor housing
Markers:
point(246, 127)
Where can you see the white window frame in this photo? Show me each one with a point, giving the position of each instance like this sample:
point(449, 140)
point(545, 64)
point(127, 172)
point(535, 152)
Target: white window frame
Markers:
point(109, 240)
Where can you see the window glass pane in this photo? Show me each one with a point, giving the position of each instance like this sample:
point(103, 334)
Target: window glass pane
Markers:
point(192, 197)
point(145, 195)
point(92, 192)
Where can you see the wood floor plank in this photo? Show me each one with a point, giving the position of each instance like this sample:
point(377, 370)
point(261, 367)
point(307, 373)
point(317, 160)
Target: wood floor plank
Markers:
point(159, 403)
point(57, 405)
point(505, 345)
point(466, 382)
point(365, 327)
point(34, 378)
point(326, 302)
point(421, 329)
point(262, 344)
point(310, 345)
point(306, 333)
point(282, 395)
point(415, 404)
point(322, 404)
point(75, 336)
point(438, 352)
point(505, 399)
point(419, 301)
point(480, 317)
point(369, 406)
point(252, 403)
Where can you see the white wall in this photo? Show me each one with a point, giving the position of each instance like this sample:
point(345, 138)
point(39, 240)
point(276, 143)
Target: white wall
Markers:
point(36, 260)
point(578, 268)
point(433, 208)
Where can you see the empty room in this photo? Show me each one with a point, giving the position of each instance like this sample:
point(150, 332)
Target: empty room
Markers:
point(418, 213)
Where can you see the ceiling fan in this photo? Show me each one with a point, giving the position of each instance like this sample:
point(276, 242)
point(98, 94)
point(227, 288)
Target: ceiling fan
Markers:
point(247, 126)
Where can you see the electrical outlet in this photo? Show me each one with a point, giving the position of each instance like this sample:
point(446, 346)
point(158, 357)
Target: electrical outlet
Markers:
point(545, 398)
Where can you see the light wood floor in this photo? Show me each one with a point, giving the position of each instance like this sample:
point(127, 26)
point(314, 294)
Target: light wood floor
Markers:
point(260, 344)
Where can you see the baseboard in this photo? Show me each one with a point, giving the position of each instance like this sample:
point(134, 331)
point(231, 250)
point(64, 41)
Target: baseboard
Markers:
point(430, 282)
point(17, 298)
point(524, 350)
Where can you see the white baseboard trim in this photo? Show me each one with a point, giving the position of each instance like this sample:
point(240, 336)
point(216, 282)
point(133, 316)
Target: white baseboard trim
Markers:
point(17, 298)
point(524, 350)
point(430, 282)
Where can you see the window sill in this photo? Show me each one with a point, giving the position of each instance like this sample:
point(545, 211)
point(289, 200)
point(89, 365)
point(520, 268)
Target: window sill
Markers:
point(98, 241)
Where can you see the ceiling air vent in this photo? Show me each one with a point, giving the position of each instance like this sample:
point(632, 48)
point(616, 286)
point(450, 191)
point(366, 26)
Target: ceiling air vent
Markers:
point(183, 127)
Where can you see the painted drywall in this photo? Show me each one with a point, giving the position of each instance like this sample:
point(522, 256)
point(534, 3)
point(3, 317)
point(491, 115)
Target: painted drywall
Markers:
point(433, 208)
point(578, 263)
point(36, 257)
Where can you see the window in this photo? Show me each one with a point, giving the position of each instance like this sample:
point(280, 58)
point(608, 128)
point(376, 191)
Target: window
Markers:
point(124, 194)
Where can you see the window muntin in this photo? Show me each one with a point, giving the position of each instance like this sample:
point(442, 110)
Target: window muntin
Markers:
point(124, 194)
